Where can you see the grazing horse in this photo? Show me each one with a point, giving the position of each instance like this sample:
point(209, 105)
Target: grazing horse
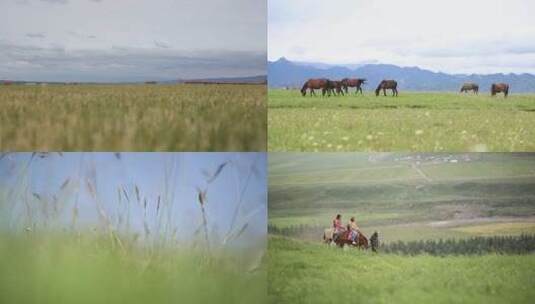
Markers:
point(353, 83)
point(387, 84)
point(470, 86)
point(335, 87)
point(315, 84)
point(499, 88)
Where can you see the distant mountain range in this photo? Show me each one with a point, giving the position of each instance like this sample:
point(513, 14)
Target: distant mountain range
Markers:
point(251, 79)
point(285, 73)
point(260, 79)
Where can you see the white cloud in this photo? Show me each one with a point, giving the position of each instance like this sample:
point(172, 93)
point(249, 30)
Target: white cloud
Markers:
point(452, 36)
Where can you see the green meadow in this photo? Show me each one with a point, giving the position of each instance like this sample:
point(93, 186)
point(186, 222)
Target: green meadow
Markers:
point(305, 272)
point(413, 121)
point(133, 118)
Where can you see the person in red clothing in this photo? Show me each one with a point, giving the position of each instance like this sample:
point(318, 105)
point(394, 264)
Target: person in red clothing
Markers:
point(338, 227)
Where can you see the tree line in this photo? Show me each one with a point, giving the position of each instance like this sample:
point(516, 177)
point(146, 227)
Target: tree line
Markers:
point(519, 244)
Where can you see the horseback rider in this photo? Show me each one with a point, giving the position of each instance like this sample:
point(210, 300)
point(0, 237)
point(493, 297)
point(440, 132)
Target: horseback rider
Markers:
point(353, 230)
point(338, 227)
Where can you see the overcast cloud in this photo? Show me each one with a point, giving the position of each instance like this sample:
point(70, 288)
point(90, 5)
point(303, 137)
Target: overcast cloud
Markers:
point(456, 36)
point(131, 40)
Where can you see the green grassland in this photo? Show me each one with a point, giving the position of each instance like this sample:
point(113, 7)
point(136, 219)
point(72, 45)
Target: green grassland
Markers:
point(411, 122)
point(404, 196)
point(85, 268)
point(133, 118)
point(304, 272)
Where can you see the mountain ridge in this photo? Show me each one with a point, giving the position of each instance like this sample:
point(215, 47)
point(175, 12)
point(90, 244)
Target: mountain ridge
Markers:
point(285, 73)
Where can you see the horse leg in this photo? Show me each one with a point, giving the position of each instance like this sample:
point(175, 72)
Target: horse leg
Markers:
point(384, 91)
point(313, 92)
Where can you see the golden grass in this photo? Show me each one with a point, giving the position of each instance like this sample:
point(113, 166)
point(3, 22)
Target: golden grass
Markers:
point(133, 118)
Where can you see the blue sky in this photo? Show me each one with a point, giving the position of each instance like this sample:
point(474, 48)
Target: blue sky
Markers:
point(131, 40)
point(174, 177)
point(456, 36)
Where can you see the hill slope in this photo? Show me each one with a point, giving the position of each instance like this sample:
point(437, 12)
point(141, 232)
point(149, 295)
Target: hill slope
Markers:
point(403, 196)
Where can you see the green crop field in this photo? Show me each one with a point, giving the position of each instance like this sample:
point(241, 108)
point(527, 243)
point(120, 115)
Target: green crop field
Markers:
point(411, 122)
point(133, 118)
point(404, 197)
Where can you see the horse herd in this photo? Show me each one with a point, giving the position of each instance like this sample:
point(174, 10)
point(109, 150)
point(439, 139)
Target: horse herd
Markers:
point(338, 87)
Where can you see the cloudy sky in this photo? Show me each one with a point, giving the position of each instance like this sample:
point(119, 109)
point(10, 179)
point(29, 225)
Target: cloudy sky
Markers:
point(455, 36)
point(131, 40)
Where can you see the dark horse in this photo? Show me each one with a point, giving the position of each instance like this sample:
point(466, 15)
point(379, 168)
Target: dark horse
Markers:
point(387, 84)
point(315, 84)
point(353, 83)
point(470, 86)
point(499, 88)
point(335, 87)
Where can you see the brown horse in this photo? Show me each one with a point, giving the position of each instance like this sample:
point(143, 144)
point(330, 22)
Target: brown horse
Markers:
point(315, 84)
point(470, 86)
point(499, 88)
point(343, 239)
point(387, 85)
point(353, 83)
point(335, 87)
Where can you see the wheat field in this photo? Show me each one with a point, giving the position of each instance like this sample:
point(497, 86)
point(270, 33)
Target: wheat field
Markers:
point(133, 118)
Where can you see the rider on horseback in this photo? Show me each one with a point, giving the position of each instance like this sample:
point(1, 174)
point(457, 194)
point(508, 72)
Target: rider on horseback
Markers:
point(338, 227)
point(353, 230)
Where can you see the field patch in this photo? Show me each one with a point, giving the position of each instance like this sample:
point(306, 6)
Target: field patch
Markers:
point(499, 228)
